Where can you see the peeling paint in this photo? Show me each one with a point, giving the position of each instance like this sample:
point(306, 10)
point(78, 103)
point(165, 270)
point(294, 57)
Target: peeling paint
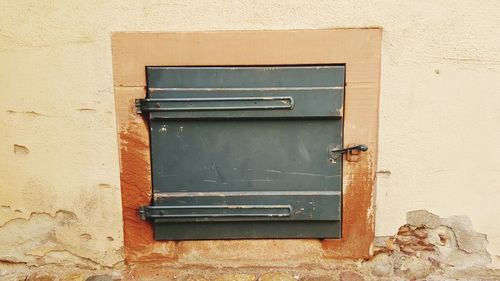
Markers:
point(30, 113)
point(35, 237)
point(428, 243)
point(385, 173)
point(104, 185)
point(42, 238)
point(86, 236)
point(21, 149)
point(86, 109)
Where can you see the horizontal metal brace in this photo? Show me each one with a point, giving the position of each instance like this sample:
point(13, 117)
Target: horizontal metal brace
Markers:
point(215, 211)
point(224, 194)
point(246, 89)
point(213, 104)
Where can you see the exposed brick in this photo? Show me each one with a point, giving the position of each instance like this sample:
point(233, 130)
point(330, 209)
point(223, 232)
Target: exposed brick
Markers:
point(405, 230)
point(428, 248)
point(408, 250)
point(420, 233)
point(406, 240)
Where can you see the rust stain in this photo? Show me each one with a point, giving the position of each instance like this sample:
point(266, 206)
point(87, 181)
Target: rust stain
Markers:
point(135, 176)
point(140, 246)
point(357, 220)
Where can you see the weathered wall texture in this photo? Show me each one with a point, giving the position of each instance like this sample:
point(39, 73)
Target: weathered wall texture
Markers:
point(59, 174)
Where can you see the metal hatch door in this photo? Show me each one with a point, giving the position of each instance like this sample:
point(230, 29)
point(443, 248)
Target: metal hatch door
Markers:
point(245, 152)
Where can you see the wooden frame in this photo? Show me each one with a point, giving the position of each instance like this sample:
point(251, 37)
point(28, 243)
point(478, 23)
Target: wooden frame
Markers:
point(358, 49)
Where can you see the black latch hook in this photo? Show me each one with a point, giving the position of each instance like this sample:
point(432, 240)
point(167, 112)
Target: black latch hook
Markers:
point(336, 153)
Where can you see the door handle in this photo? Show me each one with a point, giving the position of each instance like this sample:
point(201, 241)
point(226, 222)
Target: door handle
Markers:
point(336, 153)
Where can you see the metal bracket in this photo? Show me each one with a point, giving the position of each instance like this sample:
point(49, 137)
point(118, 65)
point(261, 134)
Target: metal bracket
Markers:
point(336, 153)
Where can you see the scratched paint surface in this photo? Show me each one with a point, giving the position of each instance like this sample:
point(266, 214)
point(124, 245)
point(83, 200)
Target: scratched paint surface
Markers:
point(218, 130)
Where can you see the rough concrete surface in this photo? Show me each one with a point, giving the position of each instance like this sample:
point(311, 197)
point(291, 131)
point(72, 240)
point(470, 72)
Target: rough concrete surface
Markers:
point(428, 245)
point(426, 248)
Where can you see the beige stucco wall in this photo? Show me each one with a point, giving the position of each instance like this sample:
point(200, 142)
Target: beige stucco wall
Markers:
point(439, 111)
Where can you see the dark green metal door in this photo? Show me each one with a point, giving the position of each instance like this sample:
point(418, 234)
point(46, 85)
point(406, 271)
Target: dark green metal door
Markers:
point(245, 152)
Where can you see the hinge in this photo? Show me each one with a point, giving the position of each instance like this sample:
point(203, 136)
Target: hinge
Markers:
point(213, 104)
point(138, 106)
point(213, 211)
